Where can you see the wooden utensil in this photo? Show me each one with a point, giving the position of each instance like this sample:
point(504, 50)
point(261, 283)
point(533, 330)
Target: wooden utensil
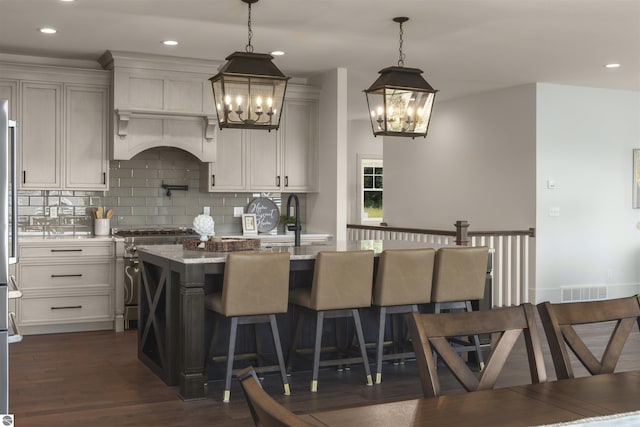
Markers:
point(109, 213)
point(99, 212)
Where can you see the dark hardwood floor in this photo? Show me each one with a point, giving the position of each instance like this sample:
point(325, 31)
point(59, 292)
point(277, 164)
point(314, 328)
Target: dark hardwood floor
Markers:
point(95, 379)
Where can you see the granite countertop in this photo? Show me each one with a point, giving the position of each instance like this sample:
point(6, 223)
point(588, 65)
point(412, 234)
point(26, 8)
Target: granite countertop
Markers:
point(177, 253)
point(69, 237)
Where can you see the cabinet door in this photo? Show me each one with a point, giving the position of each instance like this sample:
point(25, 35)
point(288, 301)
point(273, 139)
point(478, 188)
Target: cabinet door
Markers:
point(9, 90)
point(228, 173)
point(39, 152)
point(264, 164)
point(299, 145)
point(86, 138)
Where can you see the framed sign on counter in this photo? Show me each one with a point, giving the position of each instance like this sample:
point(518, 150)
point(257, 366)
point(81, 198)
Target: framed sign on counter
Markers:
point(249, 224)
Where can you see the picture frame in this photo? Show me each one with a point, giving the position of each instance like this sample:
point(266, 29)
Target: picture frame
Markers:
point(636, 178)
point(249, 224)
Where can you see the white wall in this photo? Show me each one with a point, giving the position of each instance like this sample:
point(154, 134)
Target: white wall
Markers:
point(327, 209)
point(585, 139)
point(476, 164)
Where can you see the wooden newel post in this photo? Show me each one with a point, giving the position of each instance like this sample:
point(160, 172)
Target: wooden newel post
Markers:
point(461, 233)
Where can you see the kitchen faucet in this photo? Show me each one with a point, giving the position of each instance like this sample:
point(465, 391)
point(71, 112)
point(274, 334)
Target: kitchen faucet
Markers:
point(295, 227)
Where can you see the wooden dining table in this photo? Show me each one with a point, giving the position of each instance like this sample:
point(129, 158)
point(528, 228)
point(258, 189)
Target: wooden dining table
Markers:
point(525, 405)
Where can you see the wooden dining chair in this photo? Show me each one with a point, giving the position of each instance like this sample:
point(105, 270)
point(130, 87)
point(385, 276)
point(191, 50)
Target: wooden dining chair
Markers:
point(265, 411)
point(559, 320)
point(431, 332)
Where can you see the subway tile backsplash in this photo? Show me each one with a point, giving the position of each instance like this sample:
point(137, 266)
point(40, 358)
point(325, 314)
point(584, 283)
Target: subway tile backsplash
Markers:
point(137, 199)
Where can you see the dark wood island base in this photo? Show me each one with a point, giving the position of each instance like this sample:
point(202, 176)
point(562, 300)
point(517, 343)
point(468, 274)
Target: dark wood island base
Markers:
point(173, 331)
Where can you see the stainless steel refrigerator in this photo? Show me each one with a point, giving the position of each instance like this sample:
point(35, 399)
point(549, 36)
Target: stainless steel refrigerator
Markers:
point(8, 239)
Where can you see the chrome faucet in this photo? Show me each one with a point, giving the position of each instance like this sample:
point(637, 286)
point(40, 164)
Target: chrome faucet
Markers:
point(295, 227)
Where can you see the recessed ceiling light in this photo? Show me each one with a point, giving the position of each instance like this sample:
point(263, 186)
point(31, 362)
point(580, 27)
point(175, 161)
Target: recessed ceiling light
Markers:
point(277, 53)
point(48, 30)
point(613, 65)
point(170, 43)
point(67, 0)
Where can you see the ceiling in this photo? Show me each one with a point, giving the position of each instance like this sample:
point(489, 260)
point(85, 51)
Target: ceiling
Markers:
point(463, 46)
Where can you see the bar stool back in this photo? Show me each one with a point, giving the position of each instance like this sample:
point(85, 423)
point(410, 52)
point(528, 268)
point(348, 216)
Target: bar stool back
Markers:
point(342, 283)
point(458, 278)
point(255, 288)
point(403, 281)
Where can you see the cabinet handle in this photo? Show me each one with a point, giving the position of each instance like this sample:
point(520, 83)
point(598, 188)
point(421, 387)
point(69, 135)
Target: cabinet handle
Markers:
point(104, 178)
point(66, 307)
point(65, 275)
point(278, 181)
point(24, 177)
point(286, 181)
point(213, 180)
point(66, 250)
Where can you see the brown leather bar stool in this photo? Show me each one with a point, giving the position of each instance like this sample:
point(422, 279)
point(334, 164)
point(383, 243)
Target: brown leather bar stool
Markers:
point(342, 283)
point(255, 288)
point(458, 278)
point(403, 281)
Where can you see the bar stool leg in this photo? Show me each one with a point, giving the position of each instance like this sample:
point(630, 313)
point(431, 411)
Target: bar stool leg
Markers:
point(316, 351)
point(233, 330)
point(294, 340)
point(363, 350)
point(276, 343)
point(382, 317)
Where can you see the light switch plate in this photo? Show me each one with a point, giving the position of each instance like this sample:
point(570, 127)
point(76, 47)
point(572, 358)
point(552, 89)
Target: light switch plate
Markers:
point(53, 212)
point(207, 210)
point(238, 211)
point(554, 211)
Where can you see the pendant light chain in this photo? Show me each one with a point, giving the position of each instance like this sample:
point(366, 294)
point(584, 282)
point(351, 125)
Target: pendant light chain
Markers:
point(402, 55)
point(249, 47)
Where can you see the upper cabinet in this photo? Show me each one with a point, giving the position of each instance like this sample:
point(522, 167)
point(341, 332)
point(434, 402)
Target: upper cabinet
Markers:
point(161, 101)
point(278, 161)
point(9, 90)
point(300, 146)
point(62, 116)
point(86, 137)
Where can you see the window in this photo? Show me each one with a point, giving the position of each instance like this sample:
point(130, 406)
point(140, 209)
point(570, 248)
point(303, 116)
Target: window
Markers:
point(372, 184)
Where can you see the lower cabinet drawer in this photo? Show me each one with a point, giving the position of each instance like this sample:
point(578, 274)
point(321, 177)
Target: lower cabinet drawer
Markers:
point(54, 276)
point(83, 308)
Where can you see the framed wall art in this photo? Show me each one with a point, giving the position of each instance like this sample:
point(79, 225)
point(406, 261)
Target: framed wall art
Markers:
point(249, 224)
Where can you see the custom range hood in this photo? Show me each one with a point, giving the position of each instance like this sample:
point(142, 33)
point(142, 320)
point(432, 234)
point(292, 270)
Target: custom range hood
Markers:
point(161, 101)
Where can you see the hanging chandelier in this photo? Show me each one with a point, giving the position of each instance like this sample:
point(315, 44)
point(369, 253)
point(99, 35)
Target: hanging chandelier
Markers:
point(400, 100)
point(249, 89)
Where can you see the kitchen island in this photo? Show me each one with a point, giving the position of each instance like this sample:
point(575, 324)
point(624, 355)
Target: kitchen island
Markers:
point(172, 329)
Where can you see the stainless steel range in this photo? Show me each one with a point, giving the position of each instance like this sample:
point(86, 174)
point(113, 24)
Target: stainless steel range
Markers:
point(129, 261)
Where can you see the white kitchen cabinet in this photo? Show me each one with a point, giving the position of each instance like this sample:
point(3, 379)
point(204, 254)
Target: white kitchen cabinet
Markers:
point(86, 137)
point(63, 125)
point(228, 173)
point(9, 90)
point(299, 146)
point(67, 285)
point(63, 141)
point(247, 160)
point(276, 161)
point(39, 150)
point(264, 162)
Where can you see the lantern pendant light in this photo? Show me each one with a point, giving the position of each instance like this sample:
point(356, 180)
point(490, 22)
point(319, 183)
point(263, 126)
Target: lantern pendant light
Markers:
point(400, 100)
point(249, 89)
